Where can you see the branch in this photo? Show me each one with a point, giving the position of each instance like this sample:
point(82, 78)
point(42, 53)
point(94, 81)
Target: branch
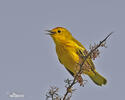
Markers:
point(69, 88)
point(53, 94)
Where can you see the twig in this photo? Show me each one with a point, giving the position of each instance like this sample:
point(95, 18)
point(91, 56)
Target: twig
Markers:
point(53, 94)
point(81, 65)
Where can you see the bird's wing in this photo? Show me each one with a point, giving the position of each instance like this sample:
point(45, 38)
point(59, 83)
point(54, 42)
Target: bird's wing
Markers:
point(83, 52)
point(77, 42)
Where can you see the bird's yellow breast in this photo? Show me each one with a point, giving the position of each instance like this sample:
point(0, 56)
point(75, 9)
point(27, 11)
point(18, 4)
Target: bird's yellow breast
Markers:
point(68, 56)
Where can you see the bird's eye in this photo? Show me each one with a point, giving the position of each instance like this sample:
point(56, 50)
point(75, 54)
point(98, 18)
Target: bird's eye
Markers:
point(59, 31)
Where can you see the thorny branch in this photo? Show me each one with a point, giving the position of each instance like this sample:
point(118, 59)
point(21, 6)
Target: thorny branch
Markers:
point(69, 88)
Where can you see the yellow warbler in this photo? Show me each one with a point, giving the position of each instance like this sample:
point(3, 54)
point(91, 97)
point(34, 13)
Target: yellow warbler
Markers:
point(68, 49)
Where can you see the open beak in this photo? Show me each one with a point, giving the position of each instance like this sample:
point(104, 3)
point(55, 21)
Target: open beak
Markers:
point(50, 32)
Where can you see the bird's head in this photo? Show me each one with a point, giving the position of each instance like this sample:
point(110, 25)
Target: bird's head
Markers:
point(59, 33)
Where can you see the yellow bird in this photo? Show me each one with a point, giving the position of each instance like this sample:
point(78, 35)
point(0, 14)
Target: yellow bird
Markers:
point(68, 50)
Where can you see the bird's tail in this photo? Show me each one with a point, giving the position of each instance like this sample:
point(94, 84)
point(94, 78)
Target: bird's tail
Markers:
point(97, 78)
